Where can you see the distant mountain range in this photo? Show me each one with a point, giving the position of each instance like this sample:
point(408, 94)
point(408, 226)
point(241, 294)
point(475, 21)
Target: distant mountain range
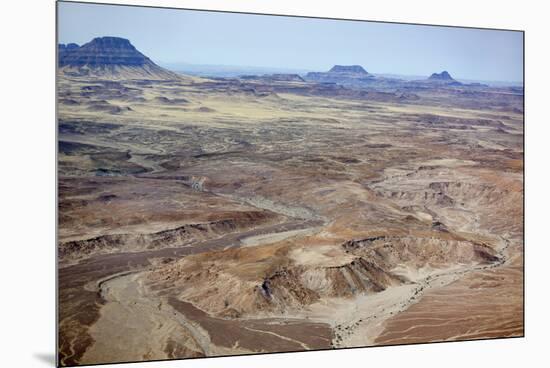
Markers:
point(227, 71)
point(117, 58)
point(275, 77)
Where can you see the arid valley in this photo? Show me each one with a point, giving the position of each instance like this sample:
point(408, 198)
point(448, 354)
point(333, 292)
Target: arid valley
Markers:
point(207, 216)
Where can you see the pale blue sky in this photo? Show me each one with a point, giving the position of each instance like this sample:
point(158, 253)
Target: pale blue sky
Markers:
point(197, 37)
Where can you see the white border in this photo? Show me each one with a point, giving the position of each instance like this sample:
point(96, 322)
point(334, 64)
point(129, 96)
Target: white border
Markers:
point(28, 185)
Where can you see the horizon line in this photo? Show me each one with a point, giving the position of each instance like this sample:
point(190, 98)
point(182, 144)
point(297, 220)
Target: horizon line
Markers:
point(305, 70)
point(297, 70)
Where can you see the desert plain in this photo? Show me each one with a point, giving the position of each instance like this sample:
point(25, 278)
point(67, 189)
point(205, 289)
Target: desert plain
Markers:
point(219, 216)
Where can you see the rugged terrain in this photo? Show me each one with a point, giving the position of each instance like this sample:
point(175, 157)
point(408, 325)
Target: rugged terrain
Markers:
point(203, 217)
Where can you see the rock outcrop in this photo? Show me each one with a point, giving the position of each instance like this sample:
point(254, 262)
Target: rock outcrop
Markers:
point(356, 69)
point(350, 75)
point(109, 57)
point(65, 49)
point(443, 76)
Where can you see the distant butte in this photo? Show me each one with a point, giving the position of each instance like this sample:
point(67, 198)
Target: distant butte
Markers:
point(102, 51)
point(109, 57)
point(443, 76)
point(347, 75)
point(358, 69)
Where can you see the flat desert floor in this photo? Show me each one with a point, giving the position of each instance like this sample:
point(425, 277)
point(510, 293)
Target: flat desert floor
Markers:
point(203, 217)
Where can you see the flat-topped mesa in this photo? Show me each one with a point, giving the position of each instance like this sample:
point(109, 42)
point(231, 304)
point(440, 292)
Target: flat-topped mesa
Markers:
point(347, 75)
point(443, 76)
point(111, 57)
point(357, 69)
point(102, 51)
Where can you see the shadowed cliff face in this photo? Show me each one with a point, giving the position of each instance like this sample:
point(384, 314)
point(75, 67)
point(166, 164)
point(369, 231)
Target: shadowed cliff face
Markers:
point(65, 49)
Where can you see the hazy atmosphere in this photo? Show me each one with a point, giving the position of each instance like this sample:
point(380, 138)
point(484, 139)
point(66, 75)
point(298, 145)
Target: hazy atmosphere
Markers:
point(198, 37)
